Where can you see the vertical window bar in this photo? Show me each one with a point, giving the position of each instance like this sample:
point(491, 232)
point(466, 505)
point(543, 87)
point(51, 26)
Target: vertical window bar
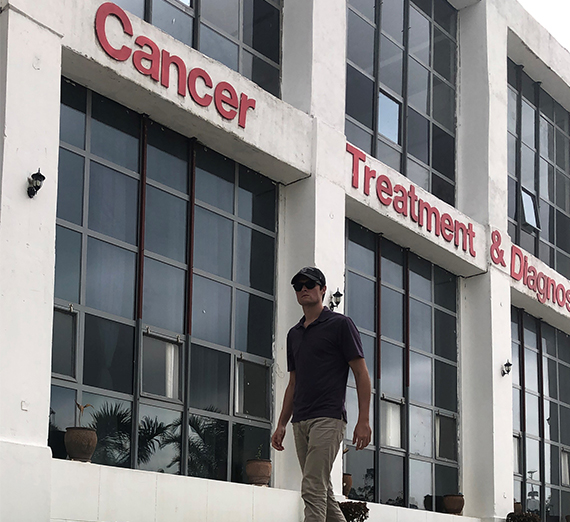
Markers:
point(523, 403)
point(406, 409)
point(405, 61)
point(542, 465)
point(197, 19)
point(148, 10)
point(519, 211)
point(537, 91)
point(378, 350)
point(376, 72)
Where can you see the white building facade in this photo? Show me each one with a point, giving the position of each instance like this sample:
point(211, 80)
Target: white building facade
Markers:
point(196, 154)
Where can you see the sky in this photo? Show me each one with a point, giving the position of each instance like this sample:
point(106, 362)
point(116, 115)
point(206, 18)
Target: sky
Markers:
point(553, 15)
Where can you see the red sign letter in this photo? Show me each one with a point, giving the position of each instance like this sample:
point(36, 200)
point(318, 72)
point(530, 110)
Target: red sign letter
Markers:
point(220, 98)
point(103, 13)
point(357, 157)
point(205, 100)
point(153, 57)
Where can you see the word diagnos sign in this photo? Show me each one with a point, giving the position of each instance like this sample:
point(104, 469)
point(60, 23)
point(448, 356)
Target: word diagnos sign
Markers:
point(148, 59)
point(520, 268)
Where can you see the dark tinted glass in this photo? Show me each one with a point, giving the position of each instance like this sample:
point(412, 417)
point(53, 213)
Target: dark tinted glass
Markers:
point(161, 367)
point(261, 28)
point(209, 379)
point(444, 55)
point(388, 155)
point(419, 36)
point(135, 7)
point(562, 227)
point(360, 464)
point(390, 64)
point(531, 370)
point(420, 484)
point(563, 345)
point(160, 440)
point(366, 7)
point(418, 136)
point(420, 378)
point(563, 264)
point(110, 278)
point(361, 248)
point(359, 96)
point(418, 86)
point(392, 369)
point(560, 116)
point(392, 264)
point(530, 332)
point(108, 355)
point(565, 425)
point(443, 152)
point(215, 176)
point(445, 386)
point(357, 136)
point(392, 314)
point(561, 150)
point(211, 305)
point(516, 409)
point(163, 295)
point(393, 19)
point(418, 174)
point(360, 47)
point(443, 103)
point(260, 72)
point(61, 416)
point(564, 382)
point(63, 344)
point(67, 264)
point(447, 439)
point(445, 15)
point(165, 225)
point(443, 189)
point(223, 14)
point(172, 21)
point(254, 324)
point(420, 277)
point(550, 381)
point(111, 418)
point(515, 370)
point(248, 442)
point(207, 448)
point(388, 118)
point(512, 110)
point(115, 133)
point(546, 139)
point(360, 295)
point(253, 389)
point(392, 483)
point(218, 47)
point(72, 113)
point(527, 124)
point(546, 221)
point(446, 482)
point(533, 458)
point(548, 339)
point(550, 421)
point(255, 259)
point(546, 101)
point(213, 242)
point(532, 422)
point(420, 326)
point(421, 431)
point(113, 203)
point(167, 157)
point(70, 187)
point(445, 335)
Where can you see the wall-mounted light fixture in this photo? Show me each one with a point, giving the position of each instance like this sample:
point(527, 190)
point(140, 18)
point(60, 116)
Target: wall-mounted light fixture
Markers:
point(506, 368)
point(335, 299)
point(35, 183)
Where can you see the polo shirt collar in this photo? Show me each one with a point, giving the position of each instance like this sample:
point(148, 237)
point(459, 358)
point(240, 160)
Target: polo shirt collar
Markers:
point(323, 316)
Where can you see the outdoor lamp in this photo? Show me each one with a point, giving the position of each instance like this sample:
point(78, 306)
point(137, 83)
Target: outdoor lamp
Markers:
point(506, 368)
point(335, 299)
point(35, 183)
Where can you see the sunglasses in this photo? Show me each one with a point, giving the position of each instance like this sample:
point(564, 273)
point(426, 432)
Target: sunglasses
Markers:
point(309, 285)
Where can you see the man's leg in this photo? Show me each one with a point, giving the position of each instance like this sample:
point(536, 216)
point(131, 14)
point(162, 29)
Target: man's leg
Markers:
point(322, 438)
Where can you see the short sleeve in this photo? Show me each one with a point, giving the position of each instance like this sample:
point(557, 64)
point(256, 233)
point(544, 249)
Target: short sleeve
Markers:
point(290, 358)
point(351, 341)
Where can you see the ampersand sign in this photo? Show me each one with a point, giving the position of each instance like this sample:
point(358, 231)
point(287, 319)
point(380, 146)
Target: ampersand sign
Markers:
point(497, 254)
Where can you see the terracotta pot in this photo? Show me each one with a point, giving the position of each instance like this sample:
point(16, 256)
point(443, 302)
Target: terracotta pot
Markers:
point(517, 508)
point(258, 471)
point(453, 504)
point(567, 518)
point(346, 484)
point(80, 443)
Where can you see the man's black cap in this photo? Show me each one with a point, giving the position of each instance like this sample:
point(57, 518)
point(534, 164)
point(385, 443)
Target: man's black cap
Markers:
point(312, 273)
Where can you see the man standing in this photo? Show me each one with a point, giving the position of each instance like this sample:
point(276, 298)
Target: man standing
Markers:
point(320, 350)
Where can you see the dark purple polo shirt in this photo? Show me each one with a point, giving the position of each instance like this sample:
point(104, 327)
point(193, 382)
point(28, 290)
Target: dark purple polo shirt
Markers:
point(319, 356)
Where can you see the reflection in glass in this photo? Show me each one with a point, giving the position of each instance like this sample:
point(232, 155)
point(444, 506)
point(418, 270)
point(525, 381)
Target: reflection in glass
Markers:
point(420, 277)
point(108, 354)
point(418, 136)
point(393, 19)
point(72, 113)
point(420, 484)
point(70, 187)
point(360, 295)
point(160, 440)
point(352, 413)
point(533, 498)
point(255, 259)
point(361, 249)
point(516, 409)
point(167, 157)
point(252, 389)
point(63, 344)
point(260, 72)
point(110, 278)
point(392, 484)
point(392, 368)
point(111, 418)
point(445, 335)
point(261, 28)
point(419, 36)
point(392, 314)
point(444, 55)
point(443, 103)
point(67, 264)
point(217, 47)
point(213, 242)
point(172, 21)
point(161, 367)
point(532, 414)
point(446, 437)
point(565, 467)
point(446, 483)
point(564, 381)
point(215, 176)
point(418, 86)
point(360, 47)
point(256, 198)
point(61, 416)
point(360, 464)
point(388, 118)
point(358, 136)
point(391, 59)
point(223, 14)
point(531, 369)
point(209, 379)
point(163, 295)
point(211, 302)
point(551, 464)
point(420, 378)
point(517, 466)
point(420, 431)
point(207, 447)
point(550, 421)
point(248, 442)
point(391, 424)
point(420, 326)
point(165, 224)
point(533, 459)
point(254, 324)
point(359, 96)
point(445, 386)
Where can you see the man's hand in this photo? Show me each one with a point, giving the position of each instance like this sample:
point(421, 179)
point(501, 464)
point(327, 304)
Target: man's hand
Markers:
point(362, 435)
point(277, 438)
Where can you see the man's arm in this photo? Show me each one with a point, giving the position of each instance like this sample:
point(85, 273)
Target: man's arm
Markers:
point(286, 412)
point(362, 431)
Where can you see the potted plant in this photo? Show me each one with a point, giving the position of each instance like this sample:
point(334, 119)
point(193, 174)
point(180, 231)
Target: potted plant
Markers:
point(354, 511)
point(454, 503)
point(258, 470)
point(523, 517)
point(80, 442)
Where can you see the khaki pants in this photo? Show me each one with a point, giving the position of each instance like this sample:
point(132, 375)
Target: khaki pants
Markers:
point(317, 442)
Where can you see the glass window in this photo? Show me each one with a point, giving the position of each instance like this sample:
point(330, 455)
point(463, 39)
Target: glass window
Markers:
point(207, 447)
point(223, 14)
point(215, 179)
point(210, 379)
point(161, 367)
point(446, 437)
point(172, 21)
point(72, 113)
point(360, 464)
point(420, 484)
point(70, 179)
point(218, 47)
point(389, 118)
point(211, 311)
point(249, 442)
point(213, 242)
point(392, 369)
point(253, 389)
point(256, 199)
point(63, 344)
point(391, 424)
point(359, 96)
point(391, 484)
point(254, 324)
point(261, 28)
point(360, 47)
point(255, 259)
point(68, 264)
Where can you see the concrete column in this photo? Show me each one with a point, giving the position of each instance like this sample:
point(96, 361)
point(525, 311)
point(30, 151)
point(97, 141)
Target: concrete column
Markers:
point(314, 58)
point(30, 68)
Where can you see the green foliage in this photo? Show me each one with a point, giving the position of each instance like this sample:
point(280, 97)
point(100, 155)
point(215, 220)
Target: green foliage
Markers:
point(523, 517)
point(355, 511)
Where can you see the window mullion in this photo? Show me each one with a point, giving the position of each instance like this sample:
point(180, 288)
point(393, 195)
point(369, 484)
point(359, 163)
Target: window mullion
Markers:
point(406, 412)
point(405, 61)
